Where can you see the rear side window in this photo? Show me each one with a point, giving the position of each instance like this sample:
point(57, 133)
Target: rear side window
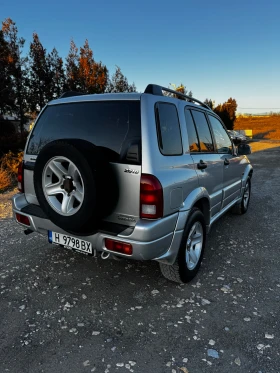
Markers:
point(115, 125)
point(203, 131)
point(168, 128)
point(192, 135)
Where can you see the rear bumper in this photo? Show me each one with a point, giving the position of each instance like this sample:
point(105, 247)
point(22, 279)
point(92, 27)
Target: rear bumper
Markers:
point(149, 239)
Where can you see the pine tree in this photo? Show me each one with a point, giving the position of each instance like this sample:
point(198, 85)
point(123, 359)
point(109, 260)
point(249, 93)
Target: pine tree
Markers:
point(92, 76)
point(17, 68)
point(40, 84)
point(181, 89)
point(119, 83)
point(210, 103)
point(227, 112)
point(57, 73)
point(72, 61)
point(6, 87)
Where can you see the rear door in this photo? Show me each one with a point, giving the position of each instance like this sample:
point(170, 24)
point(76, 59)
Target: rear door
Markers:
point(208, 163)
point(113, 126)
point(232, 163)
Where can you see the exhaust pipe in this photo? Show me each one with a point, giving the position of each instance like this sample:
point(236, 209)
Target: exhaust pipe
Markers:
point(105, 255)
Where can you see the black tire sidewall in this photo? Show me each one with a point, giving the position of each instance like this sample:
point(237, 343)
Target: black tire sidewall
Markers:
point(87, 211)
point(243, 208)
point(186, 274)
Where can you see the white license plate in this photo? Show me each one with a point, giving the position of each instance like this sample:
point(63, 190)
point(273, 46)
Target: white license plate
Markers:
point(70, 242)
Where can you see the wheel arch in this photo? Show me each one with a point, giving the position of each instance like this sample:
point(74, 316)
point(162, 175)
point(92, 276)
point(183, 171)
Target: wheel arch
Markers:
point(197, 198)
point(248, 172)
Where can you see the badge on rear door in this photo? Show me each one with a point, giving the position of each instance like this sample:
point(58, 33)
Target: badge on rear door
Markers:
point(128, 170)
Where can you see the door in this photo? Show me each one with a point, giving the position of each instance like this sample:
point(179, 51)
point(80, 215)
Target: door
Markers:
point(233, 168)
point(108, 134)
point(209, 165)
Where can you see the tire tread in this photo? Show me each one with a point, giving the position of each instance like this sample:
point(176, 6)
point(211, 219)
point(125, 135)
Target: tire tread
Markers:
point(171, 272)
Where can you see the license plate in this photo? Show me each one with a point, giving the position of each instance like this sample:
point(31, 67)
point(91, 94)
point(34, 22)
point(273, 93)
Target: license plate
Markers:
point(74, 243)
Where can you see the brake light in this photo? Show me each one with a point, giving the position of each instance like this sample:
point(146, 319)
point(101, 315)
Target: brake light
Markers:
point(23, 219)
point(151, 197)
point(20, 178)
point(119, 247)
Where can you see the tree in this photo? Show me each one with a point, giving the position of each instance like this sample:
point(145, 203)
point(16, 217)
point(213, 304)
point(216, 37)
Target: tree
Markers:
point(17, 68)
point(181, 89)
point(57, 73)
point(92, 76)
point(119, 83)
point(72, 61)
point(210, 103)
point(227, 112)
point(40, 83)
point(6, 87)
point(83, 73)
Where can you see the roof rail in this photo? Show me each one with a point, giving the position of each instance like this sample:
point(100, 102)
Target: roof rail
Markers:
point(156, 90)
point(70, 94)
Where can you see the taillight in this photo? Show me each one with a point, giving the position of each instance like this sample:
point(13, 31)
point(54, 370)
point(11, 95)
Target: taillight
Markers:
point(118, 247)
point(151, 197)
point(23, 219)
point(20, 178)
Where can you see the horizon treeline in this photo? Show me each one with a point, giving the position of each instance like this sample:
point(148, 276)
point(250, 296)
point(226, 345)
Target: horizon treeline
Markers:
point(29, 81)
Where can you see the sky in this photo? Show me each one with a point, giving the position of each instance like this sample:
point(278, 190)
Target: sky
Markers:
point(217, 49)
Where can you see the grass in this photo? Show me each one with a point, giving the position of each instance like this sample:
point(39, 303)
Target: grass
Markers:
point(264, 127)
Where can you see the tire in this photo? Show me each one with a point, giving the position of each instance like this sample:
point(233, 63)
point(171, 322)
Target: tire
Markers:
point(185, 269)
point(242, 207)
point(64, 165)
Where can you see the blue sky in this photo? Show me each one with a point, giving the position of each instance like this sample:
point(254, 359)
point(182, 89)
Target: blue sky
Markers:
point(217, 49)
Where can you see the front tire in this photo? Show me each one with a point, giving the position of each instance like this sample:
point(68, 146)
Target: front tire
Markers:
point(191, 250)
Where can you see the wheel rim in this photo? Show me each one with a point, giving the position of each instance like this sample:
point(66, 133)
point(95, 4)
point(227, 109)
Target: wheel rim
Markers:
point(194, 245)
point(246, 196)
point(63, 186)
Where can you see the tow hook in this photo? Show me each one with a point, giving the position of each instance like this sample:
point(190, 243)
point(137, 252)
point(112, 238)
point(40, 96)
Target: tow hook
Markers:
point(105, 255)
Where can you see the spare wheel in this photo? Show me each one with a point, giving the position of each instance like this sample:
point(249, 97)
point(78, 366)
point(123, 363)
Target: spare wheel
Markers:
point(65, 186)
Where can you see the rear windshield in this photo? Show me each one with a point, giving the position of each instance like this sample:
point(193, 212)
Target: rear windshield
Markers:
point(115, 125)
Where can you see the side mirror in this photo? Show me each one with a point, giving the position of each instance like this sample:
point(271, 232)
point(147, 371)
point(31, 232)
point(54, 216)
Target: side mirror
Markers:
point(236, 140)
point(244, 149)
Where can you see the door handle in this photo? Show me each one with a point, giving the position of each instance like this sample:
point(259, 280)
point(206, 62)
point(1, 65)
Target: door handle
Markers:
point(201, 165)
point(226, 162)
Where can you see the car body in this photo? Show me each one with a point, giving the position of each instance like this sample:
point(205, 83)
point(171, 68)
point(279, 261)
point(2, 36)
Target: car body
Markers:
point(140, 176)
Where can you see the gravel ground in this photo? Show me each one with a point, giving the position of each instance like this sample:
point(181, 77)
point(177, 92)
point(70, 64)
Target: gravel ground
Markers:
point(65, 312)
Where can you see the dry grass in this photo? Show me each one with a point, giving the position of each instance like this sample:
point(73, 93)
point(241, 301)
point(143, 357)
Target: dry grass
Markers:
point(264, 127)
point(259, 146)
point(5, 180)
point(8, 169)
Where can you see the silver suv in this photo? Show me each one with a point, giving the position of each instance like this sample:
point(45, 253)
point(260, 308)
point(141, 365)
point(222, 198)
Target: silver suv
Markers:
point(141, 176)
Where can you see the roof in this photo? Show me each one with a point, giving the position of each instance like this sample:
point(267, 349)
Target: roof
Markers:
point(98, 97)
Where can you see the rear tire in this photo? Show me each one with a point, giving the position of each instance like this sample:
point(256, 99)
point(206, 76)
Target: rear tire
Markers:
point(242, 207)
point(191, 250)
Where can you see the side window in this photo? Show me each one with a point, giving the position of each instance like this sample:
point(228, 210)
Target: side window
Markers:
point(168, 128)
point(203, 131)
point(222, 139)
point(192, 135)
